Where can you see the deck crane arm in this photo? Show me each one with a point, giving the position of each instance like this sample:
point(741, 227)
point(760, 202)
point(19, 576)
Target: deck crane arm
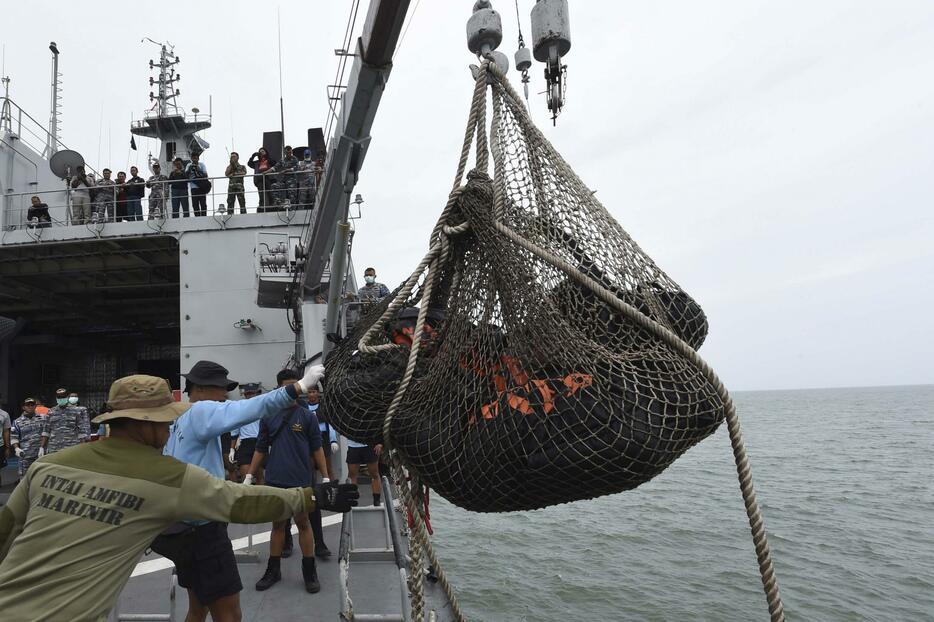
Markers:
point(327, 237)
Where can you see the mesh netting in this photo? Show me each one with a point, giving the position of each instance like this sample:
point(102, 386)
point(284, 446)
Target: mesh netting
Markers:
point(528, 388)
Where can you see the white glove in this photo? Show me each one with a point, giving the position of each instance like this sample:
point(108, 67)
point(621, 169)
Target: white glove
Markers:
point(232, 455)
point(248, 479)
point(41, 452)
point(18, 451)
point(335, 447)
point(313, 374)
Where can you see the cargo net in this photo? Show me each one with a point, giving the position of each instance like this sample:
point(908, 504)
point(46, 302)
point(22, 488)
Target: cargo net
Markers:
point(527, 385)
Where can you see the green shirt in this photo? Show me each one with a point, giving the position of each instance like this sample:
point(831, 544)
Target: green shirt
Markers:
point(76, 525)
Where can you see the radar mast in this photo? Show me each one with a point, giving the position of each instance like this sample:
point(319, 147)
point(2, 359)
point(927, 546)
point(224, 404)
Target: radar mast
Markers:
point(165, 120)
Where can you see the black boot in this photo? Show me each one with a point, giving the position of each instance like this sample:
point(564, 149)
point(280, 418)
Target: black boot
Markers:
point(272, 575)
point(375, 498)
point(310, 574)
point(321, 549)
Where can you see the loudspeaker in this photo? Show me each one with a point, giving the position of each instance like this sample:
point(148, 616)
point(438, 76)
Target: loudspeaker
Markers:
point(272, 142)
point(316, 143)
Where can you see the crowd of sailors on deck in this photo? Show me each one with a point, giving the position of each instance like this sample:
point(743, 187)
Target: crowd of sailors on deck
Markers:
point(40, 430)
point(287, 183)
point(279, 438)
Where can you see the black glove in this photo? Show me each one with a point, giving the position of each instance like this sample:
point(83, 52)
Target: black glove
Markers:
point(335, 497)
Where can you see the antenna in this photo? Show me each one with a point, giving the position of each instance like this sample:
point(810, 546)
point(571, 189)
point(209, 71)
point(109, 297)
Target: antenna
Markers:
point(51, 143)
point(281, 104)
point(100, 133)
point(164, 97)
point(6, 116)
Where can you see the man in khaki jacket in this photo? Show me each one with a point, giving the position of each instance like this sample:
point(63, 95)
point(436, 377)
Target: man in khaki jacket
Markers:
point(76, 525)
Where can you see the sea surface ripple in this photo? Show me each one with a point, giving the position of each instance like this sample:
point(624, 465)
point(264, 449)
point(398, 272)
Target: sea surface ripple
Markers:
point(844, 479)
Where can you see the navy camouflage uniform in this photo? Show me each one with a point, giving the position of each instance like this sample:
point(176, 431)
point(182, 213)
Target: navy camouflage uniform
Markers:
point(285, 184)
point(235, 190)
point(372, 292)
point(157, 196)
point(68, 425)
point(306, 183)
point(27, 432)
point(103, 208)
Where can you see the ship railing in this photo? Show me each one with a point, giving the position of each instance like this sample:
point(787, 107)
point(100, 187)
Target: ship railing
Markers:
point(29, 131)
point(154, 114)
point(287, 192)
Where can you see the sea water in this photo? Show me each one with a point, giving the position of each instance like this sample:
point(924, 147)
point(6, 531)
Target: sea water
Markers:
point(845, 480)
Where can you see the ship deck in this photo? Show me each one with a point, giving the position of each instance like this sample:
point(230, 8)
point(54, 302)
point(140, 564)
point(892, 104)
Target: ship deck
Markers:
point(147, 593)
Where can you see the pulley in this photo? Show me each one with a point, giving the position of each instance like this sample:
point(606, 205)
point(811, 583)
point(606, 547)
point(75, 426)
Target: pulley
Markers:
point(551, 41)
point(484, 29)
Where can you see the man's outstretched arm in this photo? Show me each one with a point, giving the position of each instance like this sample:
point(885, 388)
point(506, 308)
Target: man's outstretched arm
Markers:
point(226, 416)
point(206, 497)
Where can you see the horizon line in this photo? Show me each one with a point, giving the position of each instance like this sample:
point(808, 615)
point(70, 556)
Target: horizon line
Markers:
point(866, 386)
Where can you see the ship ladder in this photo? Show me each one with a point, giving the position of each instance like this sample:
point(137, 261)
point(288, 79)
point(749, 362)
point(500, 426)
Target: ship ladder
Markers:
point(171, 616)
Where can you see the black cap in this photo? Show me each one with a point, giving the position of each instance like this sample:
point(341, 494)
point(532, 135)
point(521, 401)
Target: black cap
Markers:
point(63, 392)
point(251, 387)
point(210, 374)
point(29, 400)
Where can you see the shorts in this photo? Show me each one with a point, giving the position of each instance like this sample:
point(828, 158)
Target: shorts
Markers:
point(204, 561)
point(361, 455)
point(245, 451)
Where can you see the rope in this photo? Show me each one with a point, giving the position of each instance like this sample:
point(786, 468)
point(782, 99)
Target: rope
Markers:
point(420, 544)
point(743, 469)
point(475, 119)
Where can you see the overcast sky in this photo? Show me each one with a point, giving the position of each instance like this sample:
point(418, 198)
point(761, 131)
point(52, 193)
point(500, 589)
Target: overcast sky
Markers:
point(775, 158)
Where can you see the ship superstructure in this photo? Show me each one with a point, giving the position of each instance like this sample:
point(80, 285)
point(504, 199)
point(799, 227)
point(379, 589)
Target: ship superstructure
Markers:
point(165, 120)
point(87, 302)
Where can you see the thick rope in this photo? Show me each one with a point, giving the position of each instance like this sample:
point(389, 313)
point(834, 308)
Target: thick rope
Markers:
point(420, 543)
point(475, 126)
point(435, 257)
point(743, 469)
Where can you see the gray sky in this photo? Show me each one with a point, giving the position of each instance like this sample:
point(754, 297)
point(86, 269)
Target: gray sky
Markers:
point(775, 158)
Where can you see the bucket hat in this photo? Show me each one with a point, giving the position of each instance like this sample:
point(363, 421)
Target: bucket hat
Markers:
point(144, 398)
point(210, 374)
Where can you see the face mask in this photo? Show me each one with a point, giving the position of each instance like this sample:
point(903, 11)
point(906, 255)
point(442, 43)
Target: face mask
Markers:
point(62, 401)
point(370, 279)
point(72, 400)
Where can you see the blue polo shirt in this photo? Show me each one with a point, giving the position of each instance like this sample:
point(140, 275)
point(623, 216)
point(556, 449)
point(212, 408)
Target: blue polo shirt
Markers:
point(325, 428)
point(195, 436)
point(289, 438)
point(250, 430)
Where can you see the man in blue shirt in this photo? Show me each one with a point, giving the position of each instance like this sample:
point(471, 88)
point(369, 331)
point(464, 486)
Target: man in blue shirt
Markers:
point(243, 439)
point(361, 453)
point(289, 438)
point(210, 572)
